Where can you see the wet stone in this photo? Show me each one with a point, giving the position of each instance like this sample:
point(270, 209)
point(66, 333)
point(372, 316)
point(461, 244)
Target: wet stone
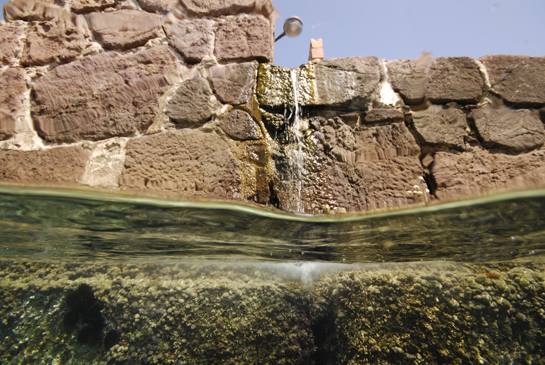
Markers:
point(240, 125)
point(193, 103)
point(275, 85)
point(440, 125)
point(234, 83)
point(124, 29)
point(258, 154)
point(193, 39)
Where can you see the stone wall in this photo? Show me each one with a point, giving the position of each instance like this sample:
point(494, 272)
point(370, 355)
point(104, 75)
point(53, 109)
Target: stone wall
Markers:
point(179, 99)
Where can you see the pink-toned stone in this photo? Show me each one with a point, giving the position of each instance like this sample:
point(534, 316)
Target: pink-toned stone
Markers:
point(12, 89)
point(87, 6)
point(33, 10)
point(124, 29)
point(316, 51)
point(55, 165)
point(102, 96)
point(9, 42)
point(158, 6)
point(200, 8)
point(244, 38)
point(58, 41)
point(193, 39)
point(188, 162)
point(517, 79)
point(234, 83)
point(477, 171)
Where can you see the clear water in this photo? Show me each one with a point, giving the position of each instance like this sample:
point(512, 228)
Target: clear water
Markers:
point(72, 226)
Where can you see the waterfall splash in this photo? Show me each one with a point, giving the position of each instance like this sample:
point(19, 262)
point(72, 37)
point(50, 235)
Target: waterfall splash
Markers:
point(294, 152)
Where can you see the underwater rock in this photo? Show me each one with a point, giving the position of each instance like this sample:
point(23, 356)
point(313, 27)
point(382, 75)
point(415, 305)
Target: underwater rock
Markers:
point(244, 38)
point(193, 39)
point(240, 125)
point(234, 83)
point(517, 79)
point(455, 79)
point(193, 103)
point(10, 48)
point(55, 165)
point(123, 29)
point(59, 40)
point(441, 125)
point(187, 161)
point(102, 96)
point(516, 130)
point(12, 89)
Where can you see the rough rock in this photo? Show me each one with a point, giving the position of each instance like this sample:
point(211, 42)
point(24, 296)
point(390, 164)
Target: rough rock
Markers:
point(158, 6)
point(194, 39)
point(440, 125)
point(409, 78)
point(244, 38)
point(32, 10)
point(186, 161)
point(455, 79)
point(517, 79)
point(234, 83)
point(55, 165)
point(193, 103)
point(12, 89)
point(58, 41)
point(240, 125)
point(347, 82)
point(88, 6)
point(382, 116)
point(9, 42)
point(124, 29)
point(199, 8)
point(275, 85)
point(500, 126)
point(477, 171)
point(102, 96)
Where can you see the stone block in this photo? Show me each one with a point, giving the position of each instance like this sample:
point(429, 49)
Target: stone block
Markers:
point(244, 38)
point(347, 82)
point(477, 172)
point(158, 6)
point(455, 79)
point(438, 125)
point(410, 77)
point(193, 103)
point(59, 40)
point(10, 48)
point(33, 10)
point(199, 8)
point(55, 165)
point(517, 79)
point(102, 96)
point(382, 116)
point(193, 39)
point(234, 83)
point(239, 125)
point(12, 89)
point(275, 85)
point(124, 29)
point(88, 6)
point(516, 130)
point(187, 162)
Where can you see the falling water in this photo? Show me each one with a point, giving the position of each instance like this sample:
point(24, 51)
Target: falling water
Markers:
point(294, 152)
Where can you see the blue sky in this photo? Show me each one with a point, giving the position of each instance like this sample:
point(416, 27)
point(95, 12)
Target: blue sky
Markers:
point(393, 29)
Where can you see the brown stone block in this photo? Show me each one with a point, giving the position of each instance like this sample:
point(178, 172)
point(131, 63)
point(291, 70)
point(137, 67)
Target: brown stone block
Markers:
point(55, 165)
point(188, 162)
point(258, 154)
point(88, 6)
point(244, 38)
point(263, 192)
point(517, 79)
point(102, 96)
point(455, 79)
point(123, 29)
point(9, 42)
point(158, 6)
point(193, 39)
point(476, 172)
point(440, 125)
point(32, 10)
point(239, 125)
point(382, 116)
point(12, 89)
point(58, 41)
point(199, 8)
point(410, 77)
point(234, 83)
